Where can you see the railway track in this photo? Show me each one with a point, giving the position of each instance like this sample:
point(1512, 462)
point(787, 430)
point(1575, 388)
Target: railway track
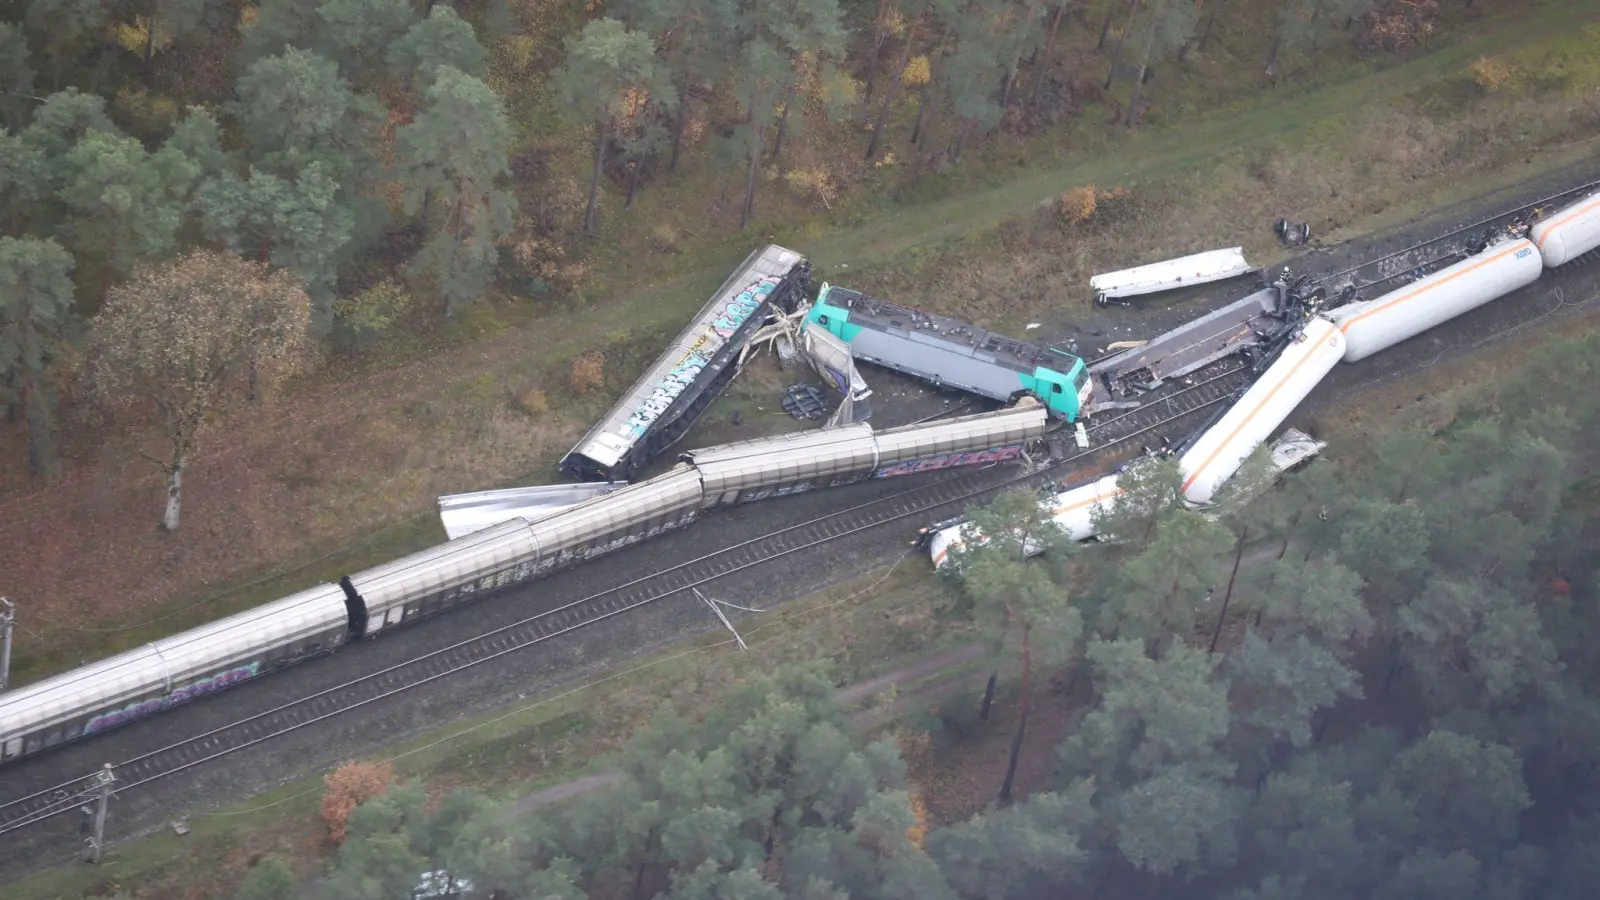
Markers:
point(1114, 433)
point(1426, 257)
point(1157, 417)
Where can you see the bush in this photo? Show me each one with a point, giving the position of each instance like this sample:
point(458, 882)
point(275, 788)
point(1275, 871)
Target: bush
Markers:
point(588, 372)
point(1082, 205)
point(1491, 74)
point(1077, 205)
point(364, 318)
point(535, 402)
point(349, 786)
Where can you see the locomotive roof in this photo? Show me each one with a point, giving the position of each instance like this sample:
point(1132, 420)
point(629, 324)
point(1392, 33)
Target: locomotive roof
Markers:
point(923, 327)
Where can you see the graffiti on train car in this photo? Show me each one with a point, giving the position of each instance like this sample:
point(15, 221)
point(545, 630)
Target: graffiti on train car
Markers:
point(971, 458)
point(727, 321)
point(186, 692)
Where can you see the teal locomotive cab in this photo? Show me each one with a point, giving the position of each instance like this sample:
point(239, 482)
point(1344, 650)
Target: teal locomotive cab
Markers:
point(834, 319)
point(1063, 393)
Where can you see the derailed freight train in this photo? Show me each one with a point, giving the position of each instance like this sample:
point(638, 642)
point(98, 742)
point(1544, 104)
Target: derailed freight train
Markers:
point(1350, 334)
point(698, 366)
point(322, 619)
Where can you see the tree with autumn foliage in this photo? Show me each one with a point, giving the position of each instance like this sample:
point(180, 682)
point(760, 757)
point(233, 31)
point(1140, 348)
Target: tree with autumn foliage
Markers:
point(608, 68)
point(184, 341)
point(349, 786)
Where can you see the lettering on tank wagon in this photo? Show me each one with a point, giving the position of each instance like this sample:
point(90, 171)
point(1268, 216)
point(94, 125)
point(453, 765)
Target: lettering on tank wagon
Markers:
point(187, 692)
point(972, 458)
point(728, 319)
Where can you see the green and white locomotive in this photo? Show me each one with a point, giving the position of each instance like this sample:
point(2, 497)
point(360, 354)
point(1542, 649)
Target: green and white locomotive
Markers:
point(951, 353)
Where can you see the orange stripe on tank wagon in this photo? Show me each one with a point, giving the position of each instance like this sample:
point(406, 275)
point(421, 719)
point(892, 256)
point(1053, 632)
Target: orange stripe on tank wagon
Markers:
point(1345, 325)
point(1578, 210)
point(1240, 427)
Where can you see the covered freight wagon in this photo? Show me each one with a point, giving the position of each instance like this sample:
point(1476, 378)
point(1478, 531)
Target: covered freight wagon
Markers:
point(698, 365)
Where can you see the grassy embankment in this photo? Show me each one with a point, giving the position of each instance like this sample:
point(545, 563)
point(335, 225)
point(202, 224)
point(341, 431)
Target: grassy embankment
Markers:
point(870, 624)
point(1363, 147)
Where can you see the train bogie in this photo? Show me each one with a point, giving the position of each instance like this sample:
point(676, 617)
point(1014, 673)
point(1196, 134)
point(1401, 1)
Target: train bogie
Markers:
point(1217, 455)
point(171, 671)
point(1378, 324)
point(1569, 233)
point(440, 577)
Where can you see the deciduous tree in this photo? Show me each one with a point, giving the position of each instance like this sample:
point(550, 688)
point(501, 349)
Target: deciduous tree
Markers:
point(455, 153)
point(219, 318)
point(35, 316)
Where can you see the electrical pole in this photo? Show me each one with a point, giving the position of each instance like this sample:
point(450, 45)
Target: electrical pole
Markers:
point(103, 783)
point(8, 614)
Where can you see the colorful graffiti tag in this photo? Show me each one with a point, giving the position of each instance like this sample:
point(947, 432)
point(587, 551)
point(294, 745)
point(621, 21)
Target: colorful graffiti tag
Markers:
point(186, 692)
point(728, 320)
point(971, 458)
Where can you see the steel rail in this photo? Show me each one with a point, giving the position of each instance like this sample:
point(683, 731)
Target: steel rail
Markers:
point(1498, 220)
point(35, 807)
point(437, 664)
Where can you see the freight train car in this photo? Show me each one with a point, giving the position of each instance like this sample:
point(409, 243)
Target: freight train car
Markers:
point(1569, 233)
point(950, 353)
point(1371, 326)
point(165, 673)
point(699, 364)
point(371, 603)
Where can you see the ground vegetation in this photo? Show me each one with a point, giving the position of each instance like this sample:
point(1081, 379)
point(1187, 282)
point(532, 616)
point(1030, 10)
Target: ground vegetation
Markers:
point(313, 140)
point(1397, 703)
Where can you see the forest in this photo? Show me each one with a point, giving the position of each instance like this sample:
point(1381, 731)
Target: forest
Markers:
point(1375, 679)
point(367, 166)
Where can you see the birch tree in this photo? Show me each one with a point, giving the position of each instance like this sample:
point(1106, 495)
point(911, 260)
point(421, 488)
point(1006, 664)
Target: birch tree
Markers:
point(181, 341)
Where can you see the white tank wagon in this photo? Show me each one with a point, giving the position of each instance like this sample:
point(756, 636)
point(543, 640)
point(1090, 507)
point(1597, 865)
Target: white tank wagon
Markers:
point(1570, 233)
point(165, 673)
point(1375, 325)
point(1072, 510)
point(1217, 455)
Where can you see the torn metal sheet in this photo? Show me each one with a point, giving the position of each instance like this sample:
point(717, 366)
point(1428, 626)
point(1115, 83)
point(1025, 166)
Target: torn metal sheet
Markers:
point(832, 359)
point(463, 514)
point(1213, 265)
